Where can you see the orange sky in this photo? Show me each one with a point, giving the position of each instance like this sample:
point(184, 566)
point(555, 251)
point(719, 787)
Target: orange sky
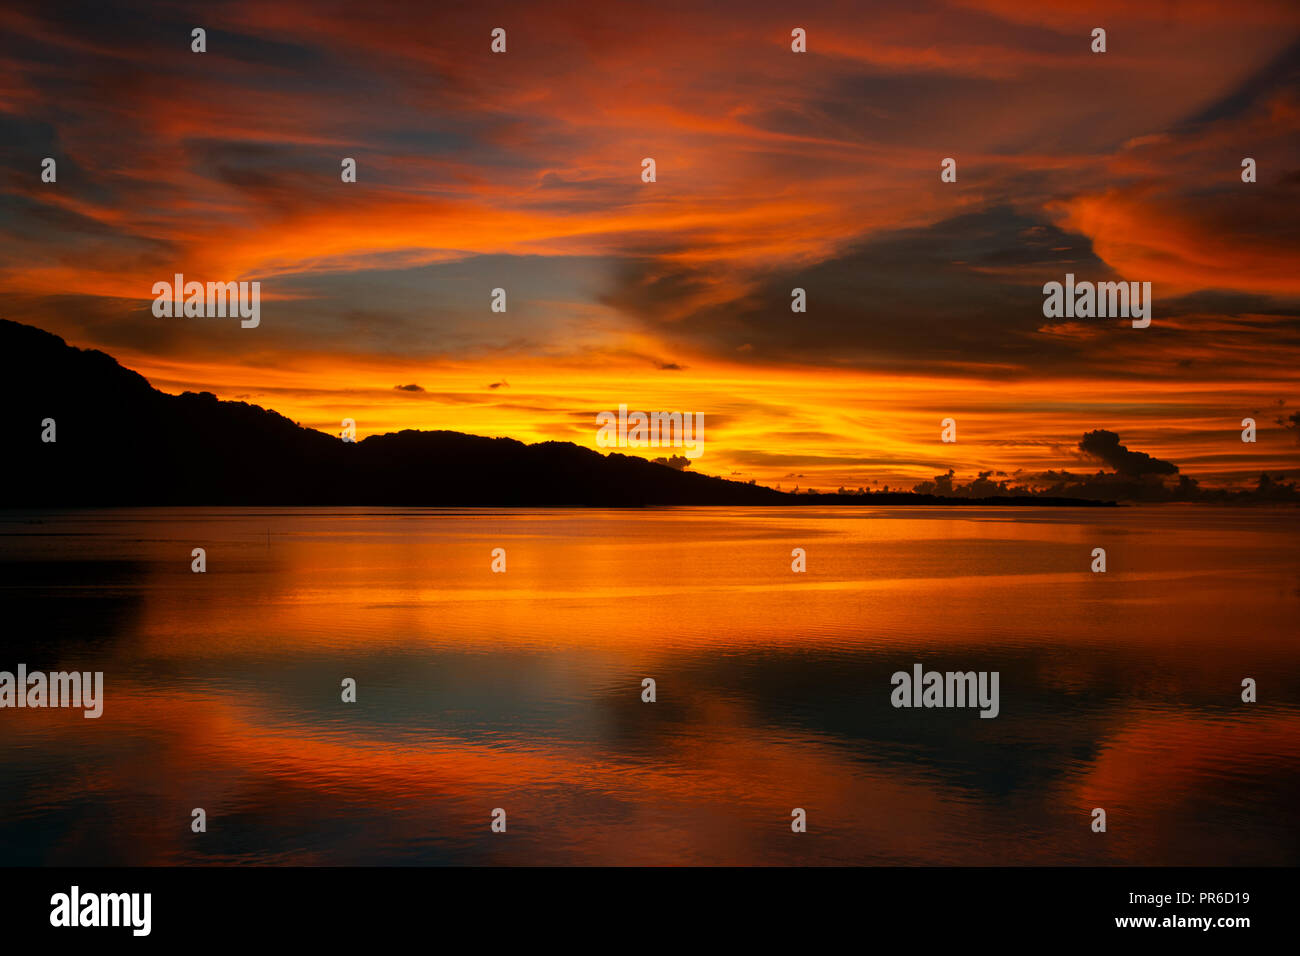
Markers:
point(774, 170)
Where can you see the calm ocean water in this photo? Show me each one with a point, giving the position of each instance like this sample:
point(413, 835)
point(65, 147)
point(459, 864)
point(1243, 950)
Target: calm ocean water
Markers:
point(522, 690)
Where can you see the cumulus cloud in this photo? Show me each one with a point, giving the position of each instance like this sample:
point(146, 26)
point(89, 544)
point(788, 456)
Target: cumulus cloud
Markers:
point(1136, 476)
point(1105, 447)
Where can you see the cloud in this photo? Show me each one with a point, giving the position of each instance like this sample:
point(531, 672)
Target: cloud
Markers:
point(775, 171)
point(679, 462)
point(408, 388)
point(1137, 476)
point(915, 298)
point(1292, 424)
point(1105, 447)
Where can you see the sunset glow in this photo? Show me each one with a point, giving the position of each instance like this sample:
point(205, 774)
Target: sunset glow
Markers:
point(775, 171)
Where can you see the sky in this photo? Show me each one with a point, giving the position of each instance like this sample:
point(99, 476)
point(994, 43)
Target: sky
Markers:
point(774, 170)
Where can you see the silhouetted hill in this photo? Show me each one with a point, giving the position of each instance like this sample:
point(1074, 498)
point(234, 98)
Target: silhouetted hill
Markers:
point(122, 442)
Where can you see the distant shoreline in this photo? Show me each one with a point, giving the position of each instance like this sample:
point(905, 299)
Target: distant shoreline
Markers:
point(884, 499)
point(95, 434)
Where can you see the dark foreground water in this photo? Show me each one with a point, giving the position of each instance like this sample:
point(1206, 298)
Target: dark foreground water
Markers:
point(522, 691)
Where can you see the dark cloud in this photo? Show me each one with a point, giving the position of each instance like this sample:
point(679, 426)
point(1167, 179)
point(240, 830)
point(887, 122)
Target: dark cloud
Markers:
point(965, 289)
point(679, 462)
point(1292, 424)
point(1137, 477)
point(408, 388)
point(1105, 447)
point(1282, 71)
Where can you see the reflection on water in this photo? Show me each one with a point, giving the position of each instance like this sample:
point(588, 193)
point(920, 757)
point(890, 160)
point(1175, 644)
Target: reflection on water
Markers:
point(523, 690)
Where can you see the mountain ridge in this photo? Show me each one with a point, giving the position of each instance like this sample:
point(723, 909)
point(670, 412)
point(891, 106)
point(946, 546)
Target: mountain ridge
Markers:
point(120, 441)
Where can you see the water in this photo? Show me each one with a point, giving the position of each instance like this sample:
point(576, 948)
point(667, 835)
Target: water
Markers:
point(523, 690)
